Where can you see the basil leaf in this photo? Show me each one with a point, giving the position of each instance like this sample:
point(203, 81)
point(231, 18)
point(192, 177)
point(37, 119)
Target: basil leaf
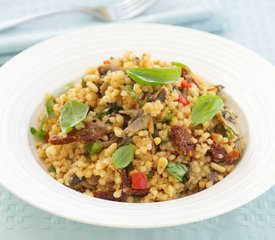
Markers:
point(43, 119)
point(229, 132)
point(65, 89)
point(123, 156)
point(39, 134)
point(177, 170)
point(167, 119)
point(205, 108)
point(49, 107)
point(72, 113)
point(52, 169)
point(103, 113)
point(181, 65)
point(154, 76)
point(113, 108)
point(133, 94)
point(94, 148)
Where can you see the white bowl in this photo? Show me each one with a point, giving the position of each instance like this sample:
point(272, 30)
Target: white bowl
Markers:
point(248, 78)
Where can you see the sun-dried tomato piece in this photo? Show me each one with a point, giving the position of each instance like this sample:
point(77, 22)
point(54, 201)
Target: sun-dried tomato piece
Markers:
point(91, 133)
point(138, 192)
point(182, 141)
point(217, 152)
point(109, 195)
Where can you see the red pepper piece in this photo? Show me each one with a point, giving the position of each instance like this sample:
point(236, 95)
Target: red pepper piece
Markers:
point(106, 62)
point(184, 84)
point(182, 100)
point(139, 181)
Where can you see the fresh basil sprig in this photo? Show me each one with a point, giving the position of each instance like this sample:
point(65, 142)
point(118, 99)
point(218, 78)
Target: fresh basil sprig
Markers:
point(39, 134)
point(133, 94)
point(154, 76)
point(72, 113)
point(94, 148)
point(123, 156)
point(177, 170)
point(49, 107)
point(181, 65)
point(52, 169)
point(109, 110)
point(205, 108)
point(167, 119)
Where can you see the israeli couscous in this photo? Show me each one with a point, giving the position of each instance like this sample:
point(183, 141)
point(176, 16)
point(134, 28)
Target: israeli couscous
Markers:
point(137, 130)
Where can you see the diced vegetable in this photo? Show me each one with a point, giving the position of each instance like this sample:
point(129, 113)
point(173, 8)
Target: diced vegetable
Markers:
point(181, 65)
point(133, 94)
point(177, 170)
point(49, 107)
point(154, 76)
point(205, 108)
point(139, 181)
point(94, 148)
point(72, 113)
point(123, 156)
point(106, 61)
point(182, 100)
point(168, 119)
point(39, 134)
point(184, 84)
point(52, 169)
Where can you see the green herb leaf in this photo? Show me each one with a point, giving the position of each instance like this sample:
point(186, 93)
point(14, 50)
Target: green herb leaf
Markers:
point(83, 83)
point(94, 148)
point(39, 134)
point(181, 65)
point(133, 94)
point(52, 169)
point(205, 108)
point(123, 156)
point(177, 170)
point(167, 119)
point(103, 113)
point(49, 107)
point(65, 89)
point(150, 174)
point(165, 140)
point(154, 76)
point(229, 132)
point(72, 113)
point(43, 119)
point(113, 108)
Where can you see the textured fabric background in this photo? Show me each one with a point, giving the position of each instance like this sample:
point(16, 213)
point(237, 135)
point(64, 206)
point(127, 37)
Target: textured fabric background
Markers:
point(251, 23)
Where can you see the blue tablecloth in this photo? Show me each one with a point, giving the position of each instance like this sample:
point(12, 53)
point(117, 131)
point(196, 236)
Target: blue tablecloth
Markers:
point(251, 23)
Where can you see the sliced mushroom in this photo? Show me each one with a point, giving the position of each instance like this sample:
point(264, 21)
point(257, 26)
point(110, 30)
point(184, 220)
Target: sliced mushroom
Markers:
point(240, 144)
point(138, 123)
point(159, 95)
point(104, 68)
point(125, 140)
point(229, 119)
point(80, 185)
